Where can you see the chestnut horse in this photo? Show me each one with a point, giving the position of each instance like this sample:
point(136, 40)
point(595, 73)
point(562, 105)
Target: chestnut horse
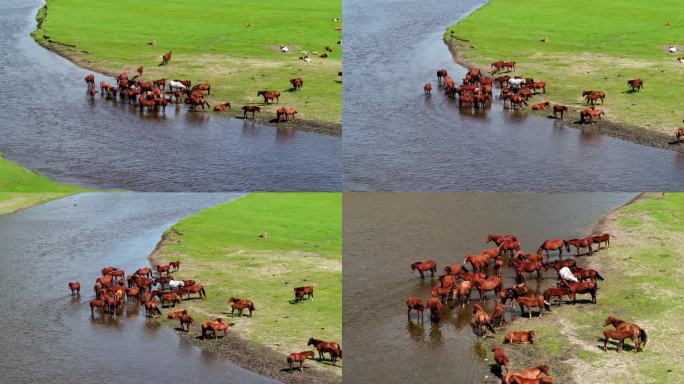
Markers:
point(593, 96)
point(619, 336)
point(75, 288)
point(599, 239)
point(422, 266)
point(164, 268)
point(462, 293)
point(299, 357)
point(176, 314)
point(586, 274)
point(557, 108)
point(427, 88)
point(240, 305)
point(531, 373)
point(90, 80)
point(536, 380)
point(197, 288)
point(269, 96)
point(679, 134)
point(584, 242)
point(330, 347)
point(512, 293)
point(144, 272)
point(497, 316)
point(175, 265)
point(454, 269)
point(480, 263)
point(169, 297)
point(638, 334)
point(442, 74)
point(435, 306)
point(166, 58)
point(519, 337)
point(297, 83)
point(523, 267)
point(484, 285)
point(500, 359)
point(635, 85)
point(538, 85)
point(213, 326)
point(185, 319)
point(558, 264)
point(541, 106)
point(414, 303)
point(509, 247)
point(250, 109)
point(552, 245)
point(582, 288)
point(555, 292)
point(498, 239)
point(529, 302)
point(481, 320)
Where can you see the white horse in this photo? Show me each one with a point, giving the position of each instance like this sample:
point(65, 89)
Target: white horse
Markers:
point(673, 49)
point(284, 48)
point(175, 284)
point(177, 85)
point(516, 83)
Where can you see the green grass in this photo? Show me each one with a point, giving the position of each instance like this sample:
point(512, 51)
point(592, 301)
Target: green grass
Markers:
point(592, 46)
point(220, 248)
point(11, 202)
point(211, 43)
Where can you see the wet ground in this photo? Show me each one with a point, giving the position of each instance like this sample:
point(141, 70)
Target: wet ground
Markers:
point(396, 139)
point(386, 232)
point(49, 125)
point(49, 336)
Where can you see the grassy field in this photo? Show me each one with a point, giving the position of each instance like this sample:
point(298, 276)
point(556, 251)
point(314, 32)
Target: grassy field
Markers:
point(591, 46)
point(231, 44)
point(643, 284)
point(220, 248)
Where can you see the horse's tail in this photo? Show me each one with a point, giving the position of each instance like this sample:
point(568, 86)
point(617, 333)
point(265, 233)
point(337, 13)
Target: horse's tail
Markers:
point(339, 351)
point(203, 292)
point(643, 337)
point(547, 305)
point(251, 307)
point(465, 269)
point(598, 276)
point(490, 326)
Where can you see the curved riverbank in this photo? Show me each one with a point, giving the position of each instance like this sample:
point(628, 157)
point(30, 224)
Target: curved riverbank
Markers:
point(318, 106)
point(220, 249)
point(642, 285)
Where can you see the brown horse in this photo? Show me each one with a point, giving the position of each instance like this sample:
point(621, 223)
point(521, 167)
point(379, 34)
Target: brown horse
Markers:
point(175, 265)
point(538, 85)
point(250, 109)
point(509, 247)
point(239, 305)
point(269, 96)
point(498, 265)
point(509, 65)
point(583, 274)
point(164, 268)
point(197, 288)
point(205, 87)
point(300, 292)
point(619, 336)
point(423, 266)
point(555, 292)
point(635, 85)
point(435, 306)
point(500, 359)
point(454, 269)
point(297, 83)
point(541, 106)
point(593, 96)
point(132, 292)
point(90, 80)
point(222, 107)
point(519, 337)
point(529, 302)
point(151, 308)
point(144, 272)
point(557, 108)
point(558, 264)
point(497, 316)
point(481, 320)
point(169, 297)
point(484, 285)
point(97, 303)
point(599, 239)
point(524, 267)
point(536, 380)
point(176, 314)
point(531, 373)
point(185, 319)
point(414, 303)
point(497, 65)
point(299, 357)
point(427, 88)
point(639, 336)
point(512, 293)
point(75, 288)
point(582, 288)
point(330, 347)
point(584, 242)
point(480, 263)
point(166, 58)
point(679, 134)
point(471, 276)
point(213, 326)
point(498, 239)
point(552, 245)
point(462, 292)
point(442, 74)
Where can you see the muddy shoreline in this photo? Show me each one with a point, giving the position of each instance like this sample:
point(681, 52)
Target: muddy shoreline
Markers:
point(74, 55)
point(633, 134)
point(240, 351)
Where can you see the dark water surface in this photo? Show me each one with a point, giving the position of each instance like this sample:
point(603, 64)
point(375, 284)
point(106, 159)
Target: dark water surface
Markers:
point(396, 139)
point(48, 124)
point(49, 337)
point(386, 232)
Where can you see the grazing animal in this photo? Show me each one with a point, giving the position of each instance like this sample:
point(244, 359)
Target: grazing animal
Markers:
point(297, 83)
point(526, 303)
point(636, 84)
point(203, 87)
point(481, 320)
point(499, 239)
point(213, 326)
point(240, 305)
point(196, 288)
point(175, 85)
point(250, 109)
point(462, 292)
point(512, 293)
point(427, 88)
point(584, 242)
point(582, 288)
point(500, 358)
point(435, 306)
point(619, 336)
point(519, 337)
point(414, 303)
point(185, 321)
point(600, 239)
point(484, 285)
point(144, 272)
point(299, 357)
point(300, 292)
point(164, 268)
point(638, 334)
point(132, 292)
point(169, 297)
point(454, 269)
point(509, 246)
point(166, 58)
point(562, 109)
point(497, 316)
point(554, 292)
point(593, 96)
point(423, 266)
point(323, 347)
point(269, 96)
point(140, 70)
point(75, 288)
point(590, 113)
point(538, 85)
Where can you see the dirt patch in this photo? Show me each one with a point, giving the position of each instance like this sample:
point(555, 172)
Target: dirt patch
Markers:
point(606, 127)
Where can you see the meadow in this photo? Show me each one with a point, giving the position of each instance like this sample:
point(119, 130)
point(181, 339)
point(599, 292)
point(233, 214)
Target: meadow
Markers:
point(642, 271)
point(232, 44)
point(591, 46)
point(220, 248)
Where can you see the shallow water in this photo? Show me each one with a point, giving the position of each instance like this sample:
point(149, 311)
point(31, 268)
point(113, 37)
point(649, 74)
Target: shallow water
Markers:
point(386, 232)
point(396, 139)
point(48, 124)
point(49, 336)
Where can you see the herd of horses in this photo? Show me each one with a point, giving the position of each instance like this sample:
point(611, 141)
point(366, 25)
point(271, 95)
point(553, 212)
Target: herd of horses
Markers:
point(483, 272)
point(114, 289)
point(477, 91)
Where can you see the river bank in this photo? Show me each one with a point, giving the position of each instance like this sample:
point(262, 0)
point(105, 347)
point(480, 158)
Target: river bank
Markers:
point(233, 66)
point(221, 249)
point(641, 270)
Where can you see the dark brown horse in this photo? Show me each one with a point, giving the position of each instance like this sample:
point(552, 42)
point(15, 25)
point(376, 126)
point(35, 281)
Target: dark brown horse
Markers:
point(442, 74)
point(679, 134)
point(175, 265)
point(90, 80)
point(169, 297)
point(600, 239)
point(635, 85)
point(500, 358)
point(323, 347)
point(299, 357)
point(164, 268)
point(557, 108)
point(423, 266)
point(250, 109)
point(75, 288)
point(638, 334)
point(297, 83)
point(497, 316)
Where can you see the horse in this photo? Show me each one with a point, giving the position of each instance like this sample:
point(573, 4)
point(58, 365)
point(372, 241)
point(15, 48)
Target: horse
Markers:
point(330, 347)
point(427, 88)
point(250, 109)
point(132, 292)
point(144, 272)
point(175, 265)
point(538, 85)
point(176, 314)
point(497, 65)
point(541, 106)
point(557, 108)
point(512, 293)
point(639, 336)
point(214, 326)
point(498, 265)
point(498, 239)
point(454, 269)
point(175, 284)
point(105, 280)
point(203, 87)
point(471, 276)
point(635, 85)
point(523, 267)
point(582, 288)
point(414, 303)
point(166, 58)
point(592, 97)
point(175, 85)
point(301, 291)
point(481, 320)
point(517, 101)
point(586, 274)
point(536, 380)
point(97, 303)
point(552, 245)
point(442, 74)
point(516, 83)
point(591, 113)
point(297, 83)
point(519, 337)
point(531, 373)
point(90, 80)
point(75, 288)
point(151, 308)
point(497, 316)
point(169, 297)
point(619, 336)
point(554, 292)
point(462, 293)
point(164, 268)
point(480, 263)
point(584, 242)
point(509, 246)
point(500, 358)
point(558, 264)
point(282, 111)
point(679, 134)
point(185, 319)
point(240, 305)
point(140, 70)
point(92, 92)
point(269, 96)
point(299, 357)
point(435, 306)
point(528, 302)
point(423, 266)
point(446, 281)
point(599, 239)
point(509, 65)
point(197, 288)
point(484, 285)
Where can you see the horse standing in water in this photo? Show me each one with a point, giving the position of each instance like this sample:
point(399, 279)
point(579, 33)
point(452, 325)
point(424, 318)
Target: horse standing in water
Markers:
point(498, 239)
point(330, 347)
point(427, 88)
point(584, 242)
point(500, 359)
point(423, 266)
point(414, 303)
point(75, 288)
point(552, 245)
point(481, 320)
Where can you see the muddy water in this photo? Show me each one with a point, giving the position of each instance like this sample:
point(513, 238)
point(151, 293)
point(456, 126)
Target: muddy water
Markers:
point(386, 232)
point(48, 336)
point(48, 124)
point(397, 139)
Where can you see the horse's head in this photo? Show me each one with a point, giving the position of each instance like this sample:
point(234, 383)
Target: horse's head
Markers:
point(543, 368)
point(311, 341)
